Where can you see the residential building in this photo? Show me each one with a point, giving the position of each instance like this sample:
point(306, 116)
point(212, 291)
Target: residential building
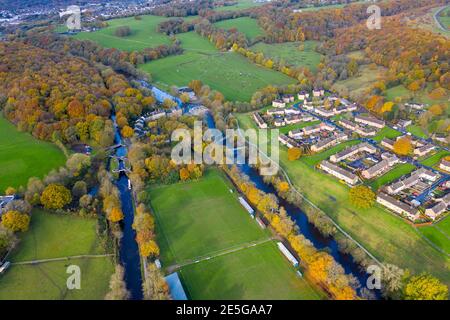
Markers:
point(387, 143)
point(324, 112)
point(259, 121)
point(292, 111)
point(445, 165)
point(376, 169)
point(328, 142)
point(279, 122)
point(272, 112)
point(370, 121)
point(439, 207)
point(353, 150)
point(287, 98)
point(288, 142)
point(339, 172)
point(303, 95)
point(412, 180)
point(421, 151)
point(278, 103)
point(398, 207)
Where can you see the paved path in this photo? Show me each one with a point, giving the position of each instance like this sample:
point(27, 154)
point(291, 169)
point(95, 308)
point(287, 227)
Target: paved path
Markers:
point(244, 246)
point(84, 256)
point(437, 21)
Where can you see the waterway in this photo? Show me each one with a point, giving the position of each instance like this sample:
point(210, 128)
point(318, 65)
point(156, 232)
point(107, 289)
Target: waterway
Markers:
point(306, 228)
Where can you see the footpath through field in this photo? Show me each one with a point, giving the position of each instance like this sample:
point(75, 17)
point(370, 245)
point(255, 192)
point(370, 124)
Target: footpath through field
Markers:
point(233, 249)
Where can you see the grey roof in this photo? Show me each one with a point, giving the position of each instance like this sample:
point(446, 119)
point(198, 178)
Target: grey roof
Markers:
point(338, 169)
point(398, 203)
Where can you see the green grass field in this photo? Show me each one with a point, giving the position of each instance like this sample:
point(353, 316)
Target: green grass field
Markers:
point(230, 73)
point(417, 131)
point(290, 53)
point(240, 5)
point(205, 219)
point(435, 158)
point(22, 156)
point(386, 132)
point(390, 176)
point(438, 236)
point(387, 236)
point(444, 18)
point(143, 34)
point(56, 236)
point(256, 273)
point(246, 25)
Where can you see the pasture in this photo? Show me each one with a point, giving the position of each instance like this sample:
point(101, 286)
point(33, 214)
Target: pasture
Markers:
point(47, 280)
point(22, 156)
point(143, 34)
point(246, 25)
point(291, 54)
point(230, 73)
point(240, 5)
point(206, 223)
point(384, 234)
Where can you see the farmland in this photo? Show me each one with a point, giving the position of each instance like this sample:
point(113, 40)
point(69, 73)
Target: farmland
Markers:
point(240, 5)
point(143, 34)
point(189, 229)
point(47, 280)
point(387, 236)
point(230, 73)
point(246, 25)
point(22, 156)
point(290, 53)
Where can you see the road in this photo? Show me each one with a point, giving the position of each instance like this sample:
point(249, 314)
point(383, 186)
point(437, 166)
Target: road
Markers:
point(436, 19)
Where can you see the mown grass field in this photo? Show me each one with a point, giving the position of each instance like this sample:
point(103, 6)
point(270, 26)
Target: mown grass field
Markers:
point(390, 176)
point(290, 53)
point(386, 132)
point(56, 236)
point(435, 158)
point(204, 219)
point(388, 237)
point(417, 131)
point(143, 34)
point(246, 25)
point(256, 273)
point(22, 156)
point(230, 73)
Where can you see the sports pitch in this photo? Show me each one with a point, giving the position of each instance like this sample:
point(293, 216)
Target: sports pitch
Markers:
point(206, 223)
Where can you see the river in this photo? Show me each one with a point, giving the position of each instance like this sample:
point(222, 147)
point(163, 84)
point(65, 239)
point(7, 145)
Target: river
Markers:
point(129, 250)
point(306, 228)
